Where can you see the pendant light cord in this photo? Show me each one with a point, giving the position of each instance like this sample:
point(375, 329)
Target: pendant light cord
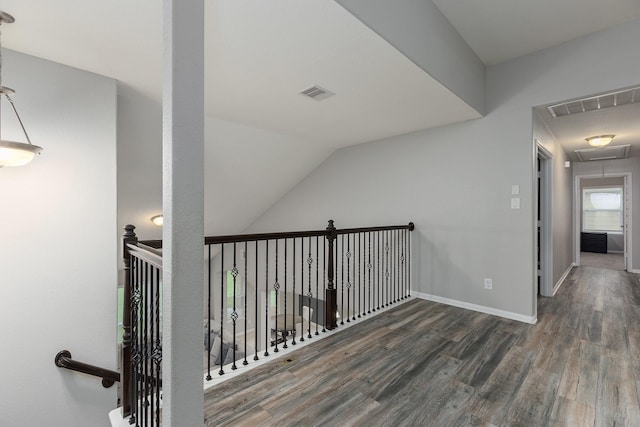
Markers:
point(4, 92)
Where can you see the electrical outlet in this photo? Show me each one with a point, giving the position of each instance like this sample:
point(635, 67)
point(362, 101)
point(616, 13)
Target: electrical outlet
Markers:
point(488, 284)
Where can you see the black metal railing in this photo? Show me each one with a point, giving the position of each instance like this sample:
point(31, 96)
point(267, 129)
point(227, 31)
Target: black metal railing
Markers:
point(64, 360)
point(264, 292)
point(142, 338)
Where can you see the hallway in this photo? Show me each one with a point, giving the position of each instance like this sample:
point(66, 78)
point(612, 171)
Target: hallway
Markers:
point(428, 364)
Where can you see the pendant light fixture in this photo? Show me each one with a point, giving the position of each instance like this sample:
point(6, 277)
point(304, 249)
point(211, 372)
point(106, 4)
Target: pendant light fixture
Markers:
point(13, 153)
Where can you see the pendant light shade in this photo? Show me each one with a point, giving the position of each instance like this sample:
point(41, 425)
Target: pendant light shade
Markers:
point(13, 153)
point(16, 153)
point(600, 140)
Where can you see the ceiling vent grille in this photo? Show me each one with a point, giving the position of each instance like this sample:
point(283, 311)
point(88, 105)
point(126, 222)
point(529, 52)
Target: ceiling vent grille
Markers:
point(595, 103)
point(606, 153)
point(317, 93)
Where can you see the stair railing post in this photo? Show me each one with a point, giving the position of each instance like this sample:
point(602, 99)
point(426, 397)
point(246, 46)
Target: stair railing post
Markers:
point(331, 294)
point(129, 237)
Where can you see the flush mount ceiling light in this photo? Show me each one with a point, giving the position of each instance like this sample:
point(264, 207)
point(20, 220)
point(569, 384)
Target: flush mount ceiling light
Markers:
point(157, 220)
point(600, 140)
point(13, 153)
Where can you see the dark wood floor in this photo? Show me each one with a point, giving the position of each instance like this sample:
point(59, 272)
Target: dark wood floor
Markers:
point(427, 364)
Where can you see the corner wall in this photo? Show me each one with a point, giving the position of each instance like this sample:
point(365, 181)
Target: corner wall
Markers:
point(58, 225)
point(455, 182)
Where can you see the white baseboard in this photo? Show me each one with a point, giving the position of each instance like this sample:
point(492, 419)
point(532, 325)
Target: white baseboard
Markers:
point(615, 252)
point(564, 276)
point(476, 307)
point(630, 270)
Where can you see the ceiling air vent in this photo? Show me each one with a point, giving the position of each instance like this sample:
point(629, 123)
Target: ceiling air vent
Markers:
point(594, 103)
point(317, 93)
point(606, 153)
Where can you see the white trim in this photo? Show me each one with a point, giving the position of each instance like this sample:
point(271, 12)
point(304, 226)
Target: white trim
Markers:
point(577, 213)
point(475, 307)
point(615, 252)
point(564, 276)
point(546, 208)
point(634, 271)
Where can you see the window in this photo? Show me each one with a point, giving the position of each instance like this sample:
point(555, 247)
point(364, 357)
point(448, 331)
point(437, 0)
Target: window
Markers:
point(602, 209)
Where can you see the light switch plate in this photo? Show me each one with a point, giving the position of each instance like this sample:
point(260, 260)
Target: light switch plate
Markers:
point(515, 189)
point(515, 203)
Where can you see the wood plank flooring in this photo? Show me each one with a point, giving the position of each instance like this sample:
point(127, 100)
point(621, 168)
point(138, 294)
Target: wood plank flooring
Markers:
point(427, 364)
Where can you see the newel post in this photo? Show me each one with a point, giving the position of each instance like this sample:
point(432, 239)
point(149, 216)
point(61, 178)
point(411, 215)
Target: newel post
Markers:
point(331, 294)
point(129, 237)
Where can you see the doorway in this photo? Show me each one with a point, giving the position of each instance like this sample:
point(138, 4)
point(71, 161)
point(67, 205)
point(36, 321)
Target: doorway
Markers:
point(593, 234)
point(544, 237)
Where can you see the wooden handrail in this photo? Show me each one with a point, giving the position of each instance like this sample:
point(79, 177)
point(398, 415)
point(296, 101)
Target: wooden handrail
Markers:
point(211, 240)
point(63, 360)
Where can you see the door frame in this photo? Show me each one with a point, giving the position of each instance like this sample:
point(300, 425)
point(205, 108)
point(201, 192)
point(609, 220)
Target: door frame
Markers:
point(546, 219)
point(628, 218)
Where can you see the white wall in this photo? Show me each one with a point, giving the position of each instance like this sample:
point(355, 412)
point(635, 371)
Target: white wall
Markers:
point(562, 200)
point(58, 268)
point(455, 182)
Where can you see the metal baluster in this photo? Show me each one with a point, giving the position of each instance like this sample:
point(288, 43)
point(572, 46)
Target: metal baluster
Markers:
point(410, 255)
point(157, 352)
point(293, 270)
point(302, 286)
point(397, 246)
point(134, 338)
point(348, 255)
point(369, 269)
point(151, 345)
point(392, 266)
point(246, 315)
point(234, 313)
point(403, 258)
point(222, 314)
point(324, 277)
point(139, 338)
point(285, 333)
point(266, 298)
point(317, 283)
point(209, 341)
point(276, 287)
point(145, 340)
point(255, 325)
point(379, 252)
point(387, 264)
point(342, 281)
point(358, 289)
point(309, 294)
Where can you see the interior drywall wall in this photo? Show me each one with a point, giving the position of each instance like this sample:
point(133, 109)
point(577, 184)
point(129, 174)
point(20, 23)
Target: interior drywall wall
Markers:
point(58, 268)
point(561, 200)
point(421, 32)
point(455, 182)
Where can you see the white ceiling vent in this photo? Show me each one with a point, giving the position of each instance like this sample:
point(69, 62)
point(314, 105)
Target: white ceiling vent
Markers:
point(594, 103)
point(606, 153)
point(317, 93)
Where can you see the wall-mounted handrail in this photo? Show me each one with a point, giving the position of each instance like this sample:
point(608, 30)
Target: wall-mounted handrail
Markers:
point(63, 360)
